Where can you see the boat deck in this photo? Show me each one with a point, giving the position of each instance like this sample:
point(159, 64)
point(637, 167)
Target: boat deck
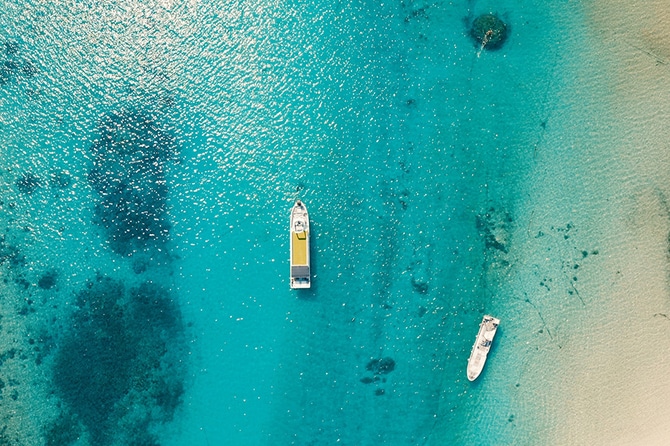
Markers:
point(299, 254)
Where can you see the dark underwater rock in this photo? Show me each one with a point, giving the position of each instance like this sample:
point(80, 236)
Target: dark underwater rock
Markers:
point(13, 65)
point(10, 253)
point(27, 183)
point(65, 430)
point(128, 173)
point(495, 228)
point(6, 72)
point(489, 31)
point(381, 366)
point(419, 285)
point(140, 266)
point(10, 66)
point(28, 69)
point(122, 363)
point(48, 280)
point(11, 47)
point(60, 180)
point(369, 380)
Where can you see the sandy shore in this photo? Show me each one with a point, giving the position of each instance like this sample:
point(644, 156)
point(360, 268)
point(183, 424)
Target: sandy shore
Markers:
point(612, 387)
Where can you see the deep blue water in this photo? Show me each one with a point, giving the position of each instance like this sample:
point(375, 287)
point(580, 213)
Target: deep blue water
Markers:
point(149, 164)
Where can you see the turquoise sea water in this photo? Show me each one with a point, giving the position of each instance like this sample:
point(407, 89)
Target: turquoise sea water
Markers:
point(150, 158)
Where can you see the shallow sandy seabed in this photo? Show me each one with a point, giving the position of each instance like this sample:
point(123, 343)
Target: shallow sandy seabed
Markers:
point(616, 378)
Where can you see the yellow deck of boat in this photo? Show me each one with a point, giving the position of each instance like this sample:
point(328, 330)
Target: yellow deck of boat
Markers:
point(299, 248)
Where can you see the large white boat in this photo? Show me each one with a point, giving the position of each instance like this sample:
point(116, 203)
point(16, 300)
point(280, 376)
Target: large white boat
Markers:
point(300, 266)
point(487, 330)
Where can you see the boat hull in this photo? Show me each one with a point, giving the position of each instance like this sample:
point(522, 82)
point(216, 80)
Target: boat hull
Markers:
point(300, 274)
point(482, 346)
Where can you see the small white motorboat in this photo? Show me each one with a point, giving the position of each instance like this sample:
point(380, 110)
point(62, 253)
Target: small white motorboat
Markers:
point(487, 330)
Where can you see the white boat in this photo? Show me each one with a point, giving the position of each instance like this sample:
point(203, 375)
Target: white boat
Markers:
point(300, 266)
point(487, 330)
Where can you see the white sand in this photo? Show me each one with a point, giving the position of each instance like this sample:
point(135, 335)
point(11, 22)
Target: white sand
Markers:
point(611, 382)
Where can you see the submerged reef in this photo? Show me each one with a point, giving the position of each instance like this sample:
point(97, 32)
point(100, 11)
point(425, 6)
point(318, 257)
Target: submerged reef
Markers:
point(12, 65)
point(416, 9)
point(10, 254)
point(381, 366)
point(494, 228)
point(27, 183)
point(11, 47)
point(120, 368)
point(378, 367)
point(128, 174)
point(489, 31)
point(65, 430)
point(48, 280)
point(60, 179)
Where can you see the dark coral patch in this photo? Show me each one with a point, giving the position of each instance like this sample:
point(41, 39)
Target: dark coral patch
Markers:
point(10, 254)
point(494, 228)
point(60, 179)
point(6, 72)
point(48, 280)
point(419, 285)
point(121, 364)
point(369, 380)
point(28, 69)
point(489, 31)
point(140, 266)
point(129, 162)
point(11, 47)
point(65, 430)
point(27, 183)
point(12, 65)
point(381, 366)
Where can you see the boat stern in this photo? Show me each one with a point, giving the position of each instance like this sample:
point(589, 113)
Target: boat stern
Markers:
point(300, 277)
